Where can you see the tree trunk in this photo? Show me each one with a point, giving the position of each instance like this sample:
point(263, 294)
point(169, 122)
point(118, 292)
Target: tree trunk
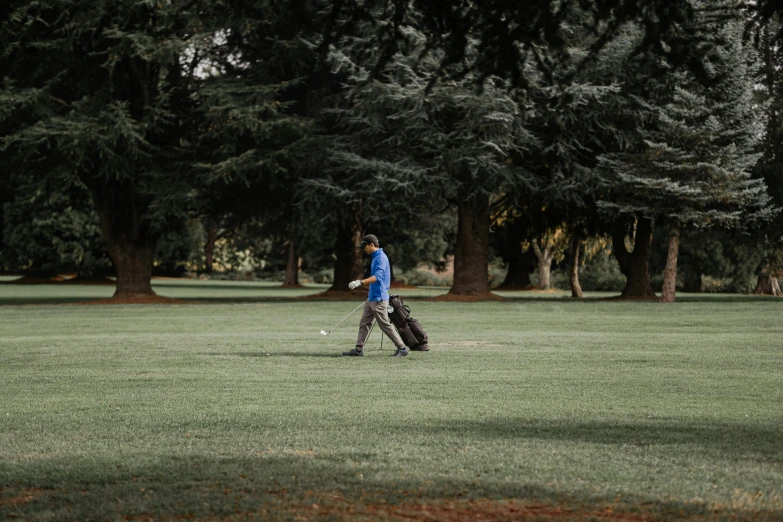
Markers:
point(634, 265)
point(471, 258)
point(767, 284)
point(348, 256)
point(128, 241)
point(573, 269)
point(519, 268)
point(545, 275)
point(292, 266)
point(544, 257)
point(209, 248)
point(670, 273)
point(134, 268)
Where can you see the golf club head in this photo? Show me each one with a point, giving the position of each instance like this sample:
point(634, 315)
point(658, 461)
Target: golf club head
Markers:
point(323, 332)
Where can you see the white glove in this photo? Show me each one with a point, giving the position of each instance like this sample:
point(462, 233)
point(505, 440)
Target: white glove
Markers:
point(354, 284)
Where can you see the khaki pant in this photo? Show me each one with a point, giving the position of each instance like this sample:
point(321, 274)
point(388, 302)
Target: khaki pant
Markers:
point(378, 311)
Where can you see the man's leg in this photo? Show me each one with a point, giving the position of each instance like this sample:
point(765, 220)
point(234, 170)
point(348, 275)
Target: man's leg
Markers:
point(381, 311)
point(364, 325)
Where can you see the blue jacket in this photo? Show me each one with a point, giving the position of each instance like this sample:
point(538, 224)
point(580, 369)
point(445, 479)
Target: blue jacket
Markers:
point(379, 291)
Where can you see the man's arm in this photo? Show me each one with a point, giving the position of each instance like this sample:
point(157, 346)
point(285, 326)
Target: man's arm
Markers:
point(379, 273)
point(370, 280)
point(356, 284)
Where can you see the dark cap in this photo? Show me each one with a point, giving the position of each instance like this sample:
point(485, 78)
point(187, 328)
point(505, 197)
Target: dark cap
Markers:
point(369, 238)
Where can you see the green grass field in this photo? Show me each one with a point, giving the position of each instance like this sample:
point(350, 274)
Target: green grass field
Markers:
point(236, 408)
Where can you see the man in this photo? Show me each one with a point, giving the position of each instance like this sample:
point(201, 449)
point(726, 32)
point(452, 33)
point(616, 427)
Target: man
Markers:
point(377, 305)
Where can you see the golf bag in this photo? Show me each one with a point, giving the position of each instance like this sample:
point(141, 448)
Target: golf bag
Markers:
point(410, 330)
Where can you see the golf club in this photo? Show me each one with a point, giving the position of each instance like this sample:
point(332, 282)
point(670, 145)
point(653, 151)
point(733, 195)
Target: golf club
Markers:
point(341, 322)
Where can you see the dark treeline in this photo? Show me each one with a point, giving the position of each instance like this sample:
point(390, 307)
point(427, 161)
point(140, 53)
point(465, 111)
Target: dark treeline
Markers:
point(143, 136)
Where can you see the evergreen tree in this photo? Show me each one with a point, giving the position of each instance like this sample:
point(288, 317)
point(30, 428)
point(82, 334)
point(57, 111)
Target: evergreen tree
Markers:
point(259, 108)
point(407, 136)
point(694, 166)
point(98, 93)
point(152, 106)
point(499, 37)
point(578, 112)
point(254, 100)
point(769, 241)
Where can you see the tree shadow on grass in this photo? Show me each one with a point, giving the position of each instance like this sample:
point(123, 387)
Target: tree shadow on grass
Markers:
point(745, 441)
point(268, 484)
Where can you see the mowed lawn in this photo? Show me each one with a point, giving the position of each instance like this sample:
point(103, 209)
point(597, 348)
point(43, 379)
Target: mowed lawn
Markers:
point(528, 408)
